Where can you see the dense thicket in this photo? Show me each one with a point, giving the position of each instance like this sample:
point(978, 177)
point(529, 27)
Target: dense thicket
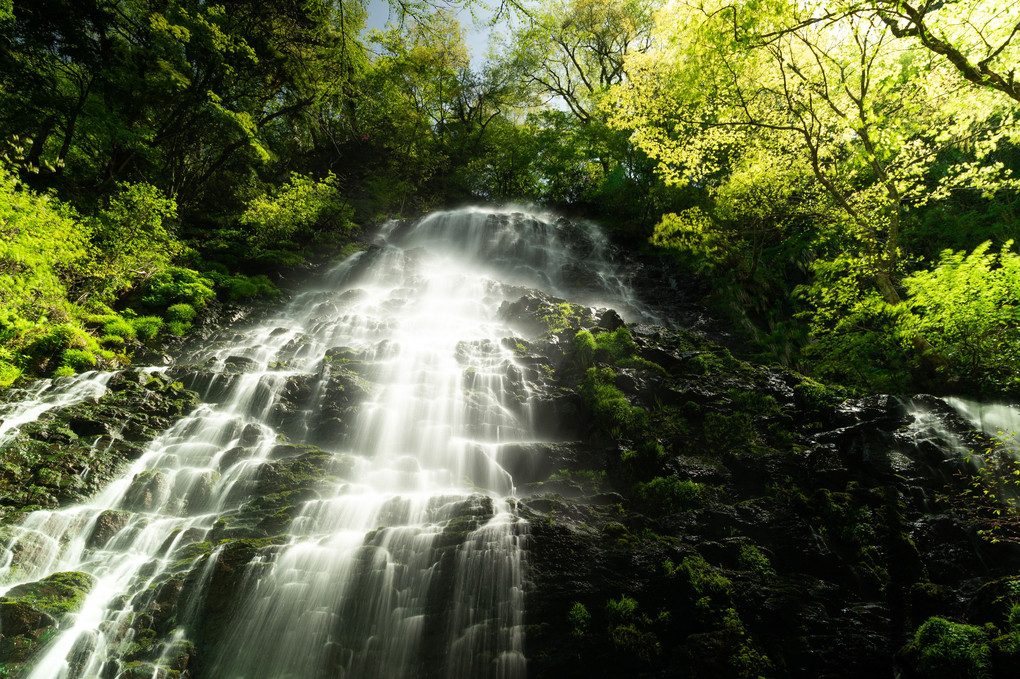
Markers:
point(842, 170)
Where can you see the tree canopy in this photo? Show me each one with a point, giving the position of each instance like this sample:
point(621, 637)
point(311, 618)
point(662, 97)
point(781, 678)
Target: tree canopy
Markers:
point(825, 162)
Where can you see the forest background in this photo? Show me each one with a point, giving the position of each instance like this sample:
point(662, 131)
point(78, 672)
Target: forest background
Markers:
point(844, 172)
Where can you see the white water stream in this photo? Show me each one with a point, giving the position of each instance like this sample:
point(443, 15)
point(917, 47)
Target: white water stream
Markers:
point(411, 563)
point(998, 420)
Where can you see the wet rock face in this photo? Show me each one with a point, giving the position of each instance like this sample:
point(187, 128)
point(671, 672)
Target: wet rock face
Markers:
point(537, 314)
point(68, 454)
point(706, 517)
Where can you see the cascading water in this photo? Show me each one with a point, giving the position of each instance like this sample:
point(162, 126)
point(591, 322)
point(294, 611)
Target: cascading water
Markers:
point(998, 420)
point(46, 395)
point(406, 558)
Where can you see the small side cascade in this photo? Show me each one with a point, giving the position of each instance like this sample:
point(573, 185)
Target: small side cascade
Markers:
point(44, 395)
point(998, 420)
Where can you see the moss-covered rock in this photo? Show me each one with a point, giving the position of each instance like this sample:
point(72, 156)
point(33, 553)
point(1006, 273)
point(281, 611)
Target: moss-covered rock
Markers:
point(784, 529)
point(31, 613)
point(68, 454)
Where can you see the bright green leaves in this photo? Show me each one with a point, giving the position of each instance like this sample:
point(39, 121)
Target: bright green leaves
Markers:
point(43, 249)
point(727, 80)
point(133, 237)
point(822, 141)
point(949, 649)
point(300, 207)
point(968, 308)
point(574, 50)
point(690, 231)
point(183, 94)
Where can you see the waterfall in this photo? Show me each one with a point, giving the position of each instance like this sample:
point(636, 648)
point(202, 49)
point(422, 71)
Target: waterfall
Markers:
point(387, 383)
point(998, 420)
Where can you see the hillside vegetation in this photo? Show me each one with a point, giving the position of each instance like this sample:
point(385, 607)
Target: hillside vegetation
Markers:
point(842, 172)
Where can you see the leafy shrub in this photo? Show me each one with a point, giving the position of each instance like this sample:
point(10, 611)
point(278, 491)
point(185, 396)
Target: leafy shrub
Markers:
point(181, 313)
point(243, 287)
point(951, 650)
point(9, 371)
point(751, 559)
point(177, 285)
point(584, 349)
point(616, 345)
point(856, 333)
point(704, 580)
point(79, 360)
point(616, 348)
point(119, 327)
point(727, 433)
point(966, 308)
point(99, 320)
point(631, 632)
point(116, 341)
point(44, 248)
point(278, 258)
point(63, 371)
point(300, 207)
point(147, 327)
point(609, 405)
point(670, 494)
point(622, 609)
point(177, 328)
point(133, 236)
point(579, 618)
point(54, 341)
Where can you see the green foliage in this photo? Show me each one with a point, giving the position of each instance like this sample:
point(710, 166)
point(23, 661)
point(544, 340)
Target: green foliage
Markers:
point(43, 251)
point(578, 618)
point(177, 285)
point(704, 580)
point(181, 313)
point(116, 341)
point(239, 286)
point(670, 494)
point(829, 155)
point(630, 631)
point(62, 345)
point(968, 309)
point(118, 327)
point(616, 348)
point(609, 405)
point(133, 237)
point(147, 327)
point(950, 650)
point(857, 334)
point(277, 259)
point(616, 345)
point(734, 432)
point(79, 360)
point(845, 518)
point(177, 328)
point(746, 660)
point(559, 316)
point(9, 371)
point(190, 96)
point(752, 559)
point(300, 207)
point(989, 495)
point(584, 349)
